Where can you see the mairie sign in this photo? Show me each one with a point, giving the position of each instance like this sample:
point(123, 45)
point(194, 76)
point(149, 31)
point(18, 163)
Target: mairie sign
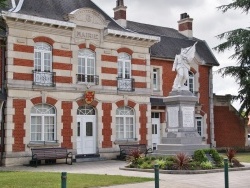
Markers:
point(89, 96)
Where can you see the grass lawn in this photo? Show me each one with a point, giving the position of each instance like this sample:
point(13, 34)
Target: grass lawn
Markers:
point(243, 157)
point(53, 180)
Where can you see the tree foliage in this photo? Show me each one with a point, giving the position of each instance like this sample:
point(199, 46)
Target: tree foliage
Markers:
point(239, 41)
point(3, 3)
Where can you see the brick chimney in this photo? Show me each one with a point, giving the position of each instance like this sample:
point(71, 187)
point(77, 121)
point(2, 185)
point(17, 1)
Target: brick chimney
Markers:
point(120, 13)
point(186, 25)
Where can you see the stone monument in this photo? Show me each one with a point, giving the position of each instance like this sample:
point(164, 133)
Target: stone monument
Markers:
point(181, 133)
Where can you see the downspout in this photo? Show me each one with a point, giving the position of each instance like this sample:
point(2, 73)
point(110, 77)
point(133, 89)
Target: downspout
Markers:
point(3, 103)
point(211, 107)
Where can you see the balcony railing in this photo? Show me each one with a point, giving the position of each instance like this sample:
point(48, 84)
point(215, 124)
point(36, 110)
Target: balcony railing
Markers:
point(94, 79)
point(44, 78)
point(125, 84)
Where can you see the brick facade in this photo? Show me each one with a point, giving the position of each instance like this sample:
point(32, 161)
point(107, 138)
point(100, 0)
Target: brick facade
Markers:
point(143, 131)
point(204, 95)
point(67, 120)
point(106, 122)
point(19, 120)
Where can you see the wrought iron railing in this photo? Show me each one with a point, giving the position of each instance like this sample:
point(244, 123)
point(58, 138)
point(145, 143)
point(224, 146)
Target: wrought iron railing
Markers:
point(44, 78)
point(94, 79)
point(125, 84)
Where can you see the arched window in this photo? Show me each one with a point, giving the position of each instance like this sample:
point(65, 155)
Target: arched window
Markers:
point(124, 65)
point(43, 74)
point(86, 66)
point(43, 123)
point(43, 57)
point(86, 110)
point(125, 123)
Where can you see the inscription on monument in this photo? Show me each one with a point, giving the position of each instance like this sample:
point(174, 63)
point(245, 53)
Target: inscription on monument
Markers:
point(173, 114)
point(188, 116)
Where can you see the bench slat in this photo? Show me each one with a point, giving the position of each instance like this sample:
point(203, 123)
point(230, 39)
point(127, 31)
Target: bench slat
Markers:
point(50, 153)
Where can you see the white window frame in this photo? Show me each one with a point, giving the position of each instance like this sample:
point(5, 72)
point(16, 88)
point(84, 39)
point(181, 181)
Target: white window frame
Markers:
point(156, 79)
point(124, 116)
point(190, 82)
point(86, 63)
point(124, 66)
point(42, 111)
point(199, 124)
point(86, 110)
point(42, 57)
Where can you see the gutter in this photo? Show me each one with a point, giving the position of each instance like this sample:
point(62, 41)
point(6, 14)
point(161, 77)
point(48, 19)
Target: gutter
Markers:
point(2, 99)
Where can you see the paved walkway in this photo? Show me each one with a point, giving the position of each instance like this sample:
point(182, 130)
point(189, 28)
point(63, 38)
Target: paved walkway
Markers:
point(237, 179)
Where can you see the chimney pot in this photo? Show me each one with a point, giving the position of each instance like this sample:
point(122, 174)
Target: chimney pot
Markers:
point(186, 25)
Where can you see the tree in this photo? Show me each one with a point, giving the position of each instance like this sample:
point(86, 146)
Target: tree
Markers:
point(239, 40)
point(3, 3)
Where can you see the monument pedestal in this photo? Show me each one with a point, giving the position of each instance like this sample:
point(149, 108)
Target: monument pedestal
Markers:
point(181, 134)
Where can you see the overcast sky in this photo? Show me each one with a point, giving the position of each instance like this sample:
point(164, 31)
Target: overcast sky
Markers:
point(207, 24)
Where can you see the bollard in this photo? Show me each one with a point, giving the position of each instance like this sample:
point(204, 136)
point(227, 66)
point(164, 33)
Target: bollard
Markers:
point(156, 176)
point(226, 172)
point(64, 180)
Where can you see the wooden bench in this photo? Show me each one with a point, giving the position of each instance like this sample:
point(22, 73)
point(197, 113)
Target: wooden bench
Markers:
point(50, 154)
point(126, 150)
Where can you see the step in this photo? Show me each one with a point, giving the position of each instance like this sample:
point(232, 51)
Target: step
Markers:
point(181, 147)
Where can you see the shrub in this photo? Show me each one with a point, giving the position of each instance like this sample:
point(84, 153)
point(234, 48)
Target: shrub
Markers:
point(193, 165)
point(169, 165)
point(161, 163)
point(181, 161)
point(199, 155)
point(134, 158)
point(216, 156)
point(206, 165)
point(169, 158)
point(218, 159)
point(230, 153)
point(146, 165)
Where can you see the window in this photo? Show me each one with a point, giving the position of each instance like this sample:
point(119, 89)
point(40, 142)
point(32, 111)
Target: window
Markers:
point(43, 74)
point(190, 82)
point(86, 66)
point(156, 85)
point(124, 80)
point(199, 125)
point(125, 128)
point(155, 115)
point(86, 110)
point(43, 123)
point(43, 57)
point(124, 66)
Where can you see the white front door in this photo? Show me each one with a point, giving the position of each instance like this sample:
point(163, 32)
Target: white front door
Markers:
point(86, 134)
point(155, 132)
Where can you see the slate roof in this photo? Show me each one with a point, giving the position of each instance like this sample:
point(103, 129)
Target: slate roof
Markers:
point(59, 9)
point(171, 40)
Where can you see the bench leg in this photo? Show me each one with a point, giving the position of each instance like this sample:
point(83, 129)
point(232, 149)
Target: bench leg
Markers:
point(70, 161)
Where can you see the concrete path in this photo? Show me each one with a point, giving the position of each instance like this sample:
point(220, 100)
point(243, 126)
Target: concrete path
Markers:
point(237, 179)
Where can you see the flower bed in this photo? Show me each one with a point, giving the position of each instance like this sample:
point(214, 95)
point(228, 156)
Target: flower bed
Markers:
point(204, 159)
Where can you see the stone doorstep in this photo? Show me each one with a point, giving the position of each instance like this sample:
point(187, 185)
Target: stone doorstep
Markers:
point(186, 171)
